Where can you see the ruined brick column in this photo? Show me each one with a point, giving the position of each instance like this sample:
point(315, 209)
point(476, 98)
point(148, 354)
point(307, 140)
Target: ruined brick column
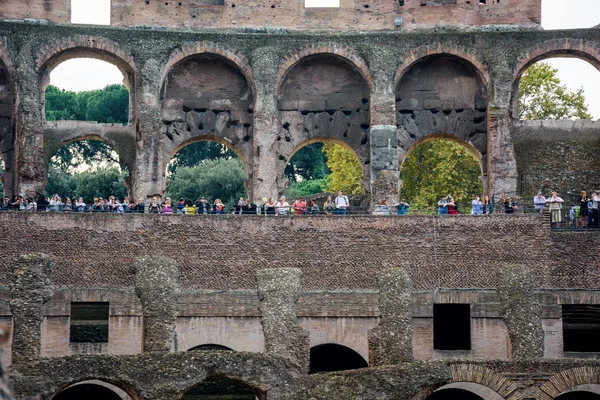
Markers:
point(157, 286)
point(267, 123)
point(521, 311)
point(148, 177)
point(278, 292)
point(385, 173)
point(30, 289)
point(30, 177)
point(391, 342)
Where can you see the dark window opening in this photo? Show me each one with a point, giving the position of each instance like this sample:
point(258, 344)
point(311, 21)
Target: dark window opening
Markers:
point(221, 387)
point(210, 347)
point(89, 323)
point(87, 391)
point(581, 327)
point(452, 326)
point(334, 357)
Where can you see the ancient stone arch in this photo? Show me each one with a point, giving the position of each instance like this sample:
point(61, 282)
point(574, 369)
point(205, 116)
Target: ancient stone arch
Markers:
point(486, 377)
point(124, 390)
point(567, 380)
point(94, 382)
point(567, 48)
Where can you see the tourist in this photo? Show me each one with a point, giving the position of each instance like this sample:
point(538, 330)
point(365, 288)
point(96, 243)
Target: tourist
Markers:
point(240, 205)
point(139, 207)
point(31, 205)
point(270, 207)
point(313, 208)
point(282, 207)
point(382, 208)
point(341, 203)
point(329, 206)
point(79, 205)
point(42, 203)
point(68, 205)
point(595, 209)
point(452, 207)
point(203, 206)
point(6, 203)
point(167, 208)
point(154, 207)
point(555, 205)
point(583, 208)
point(181, 206)
point(402, 207)
point(249, 208)
point(56, 203)
point(299, 206)
point(189, 207)
point(218, 206)
point(488, 206)
point(509, 206)
point(476, 206)
point(539, 202)
point(443, 205)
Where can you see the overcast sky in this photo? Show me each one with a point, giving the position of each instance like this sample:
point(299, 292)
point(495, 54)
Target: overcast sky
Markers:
point(87, 74)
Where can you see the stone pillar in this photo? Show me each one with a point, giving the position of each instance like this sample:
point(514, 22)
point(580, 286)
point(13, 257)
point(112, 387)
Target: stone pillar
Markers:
point(148, 177)
point(157, 286)
point(391, 341)
point(30, 177)
point(521, 311)
point(30, 289)
point(278, 292)
point(502, 161)
point(5, 392)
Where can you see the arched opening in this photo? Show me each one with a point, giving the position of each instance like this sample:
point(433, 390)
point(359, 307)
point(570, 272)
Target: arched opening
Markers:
point(321, 166)
point(442, 93)
point(579, 395)
point(89, 169)
point(440, 165)
point(211, 174)
point(87, 85)
point(222, 388)
point(464, 391)
point(323, 97)
point(210, 347)
point(92, 390)
point(207, 97)
point(334, 357)
point(6, 134)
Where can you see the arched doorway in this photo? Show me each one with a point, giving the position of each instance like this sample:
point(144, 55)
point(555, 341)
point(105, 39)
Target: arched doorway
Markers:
point(443, 94)
point(440, 165)
point(323, 97)
point(464, 391)
point(222, 387)
point(334, 357)
point(207, 97)
point(89, 168)
point(210, 169)
point(581, 392)
point(92, 390)
point(323, 166)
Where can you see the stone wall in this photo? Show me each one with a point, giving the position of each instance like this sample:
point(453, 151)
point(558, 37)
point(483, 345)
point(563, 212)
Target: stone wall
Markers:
point(352, 14)
point(558, 155)
point(224, 252)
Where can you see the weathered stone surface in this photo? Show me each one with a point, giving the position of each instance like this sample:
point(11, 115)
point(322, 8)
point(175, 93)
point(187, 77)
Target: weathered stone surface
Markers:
point(5, 391)
point(278, 292)
point(391, 342)
point(30, 289)
point(157, 286)
point(521, 312)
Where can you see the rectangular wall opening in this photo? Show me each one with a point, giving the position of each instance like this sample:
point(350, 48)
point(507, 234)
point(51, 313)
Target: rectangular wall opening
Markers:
point(581, 327)
point(89, 323)
point(452, 326)
point(90, 12)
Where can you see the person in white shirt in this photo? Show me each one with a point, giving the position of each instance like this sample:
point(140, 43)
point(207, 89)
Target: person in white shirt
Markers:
point(282, 207)
point(341, 203)
point(539, 202)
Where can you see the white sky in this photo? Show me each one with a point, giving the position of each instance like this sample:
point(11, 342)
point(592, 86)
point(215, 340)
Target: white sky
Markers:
point(88, 74)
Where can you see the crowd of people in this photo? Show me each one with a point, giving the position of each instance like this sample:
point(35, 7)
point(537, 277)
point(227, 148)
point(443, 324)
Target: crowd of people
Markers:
point(583, 213)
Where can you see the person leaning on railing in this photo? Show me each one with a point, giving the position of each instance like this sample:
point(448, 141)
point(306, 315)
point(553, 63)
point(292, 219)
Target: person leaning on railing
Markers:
point(555, 205)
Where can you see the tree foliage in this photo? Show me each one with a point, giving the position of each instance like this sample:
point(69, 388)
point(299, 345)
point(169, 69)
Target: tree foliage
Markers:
point(305, 188)
point(108, 105)
point(440, 167)
point(219, 178)
point(91, 153)
point(310, 162)
point(543, 96)
point(101, 182)
point(194, 153)
point(346, 171)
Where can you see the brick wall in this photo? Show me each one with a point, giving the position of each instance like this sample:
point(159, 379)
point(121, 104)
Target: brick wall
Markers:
point(224, 252)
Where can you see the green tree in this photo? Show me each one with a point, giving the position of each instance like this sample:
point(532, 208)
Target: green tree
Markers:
point(346, 171)
point(310, 162)
point(440, 167)
point(220, 178)
point(543, 96)
point(195, 153)
point(305, 188)
point(72, 156)
point(102, 182)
